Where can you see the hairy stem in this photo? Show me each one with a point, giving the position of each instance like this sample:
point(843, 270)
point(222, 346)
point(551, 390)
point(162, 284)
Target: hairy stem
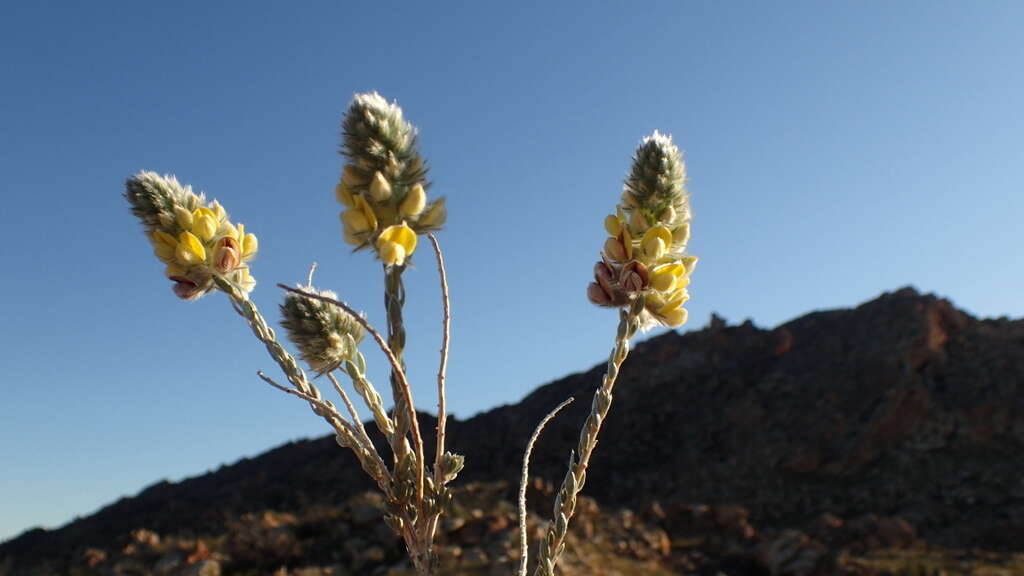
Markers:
point(524, 552)
point(396, 365)
point(367, 456)
point(553, 545)
point(405, 415)
point(346, 434)
point(357, 422)
point(442, 412)
point(374, 402)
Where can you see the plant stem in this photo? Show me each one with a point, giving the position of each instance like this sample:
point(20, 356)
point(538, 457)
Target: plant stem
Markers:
point(367, 455)
point(405, 415)
point(394, 301)
point(524, 553)
point(565, 503)
point(442, 412)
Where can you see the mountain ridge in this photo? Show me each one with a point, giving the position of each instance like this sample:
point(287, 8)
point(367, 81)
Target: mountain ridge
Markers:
point(903, 405)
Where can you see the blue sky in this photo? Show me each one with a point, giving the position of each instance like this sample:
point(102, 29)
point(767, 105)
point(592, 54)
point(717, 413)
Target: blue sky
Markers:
point(835, 149)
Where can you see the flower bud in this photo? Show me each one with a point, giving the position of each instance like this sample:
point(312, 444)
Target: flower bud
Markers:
point(355, 222)
point(633, 277)
point(612, 225)
point(204, 223)
point(638, 222)
point(605, 277)
point(681, 235)
point(163, 244)
point(614, 249)
point(690, 262)
point(225, 255)
point(183, 217)
point(350, 237)
point(325, 335)
point(250, 244)
point(620, 248)
point(187, 289)
point(343, 194)
point(228, 229)
point(380, 188)
point(434, 216)
point(218, 211)
point(598, 295)
point(669, 216)
point(415, 201)
point(350, 176)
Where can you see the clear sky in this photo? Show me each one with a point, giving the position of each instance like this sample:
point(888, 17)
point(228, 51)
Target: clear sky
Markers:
point(835, 149)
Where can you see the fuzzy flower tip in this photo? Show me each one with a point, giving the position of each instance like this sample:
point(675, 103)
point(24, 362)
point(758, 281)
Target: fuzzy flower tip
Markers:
point(325, 335)
point(194, 239)
point(645, 252)
point(383, 183)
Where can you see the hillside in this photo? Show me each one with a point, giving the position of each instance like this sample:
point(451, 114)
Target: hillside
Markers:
point(896, 425)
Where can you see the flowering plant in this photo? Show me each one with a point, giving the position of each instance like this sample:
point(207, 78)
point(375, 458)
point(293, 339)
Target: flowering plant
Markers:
point(643, 272)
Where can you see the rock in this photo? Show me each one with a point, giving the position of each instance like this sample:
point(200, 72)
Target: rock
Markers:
point(202, 568)
point(792, 553)
point(145, 538)
point(168, 564)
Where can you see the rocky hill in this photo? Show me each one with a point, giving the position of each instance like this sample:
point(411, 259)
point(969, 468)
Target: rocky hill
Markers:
point(858, 441)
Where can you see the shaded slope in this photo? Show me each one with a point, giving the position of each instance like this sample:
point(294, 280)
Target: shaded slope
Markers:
point(901, 406)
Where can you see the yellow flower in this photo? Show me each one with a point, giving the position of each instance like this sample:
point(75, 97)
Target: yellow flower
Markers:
point(620, 248)
point(250, 244)
point(164, 245)
point(355, 222)
point(396, 243)
point(668, 309)
point(675, 318)
point(415, 201)
point(364, 207)
point(204, 223)
point(656, 242)
point(190, 250)
point(666, 277)
point(675, 301)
